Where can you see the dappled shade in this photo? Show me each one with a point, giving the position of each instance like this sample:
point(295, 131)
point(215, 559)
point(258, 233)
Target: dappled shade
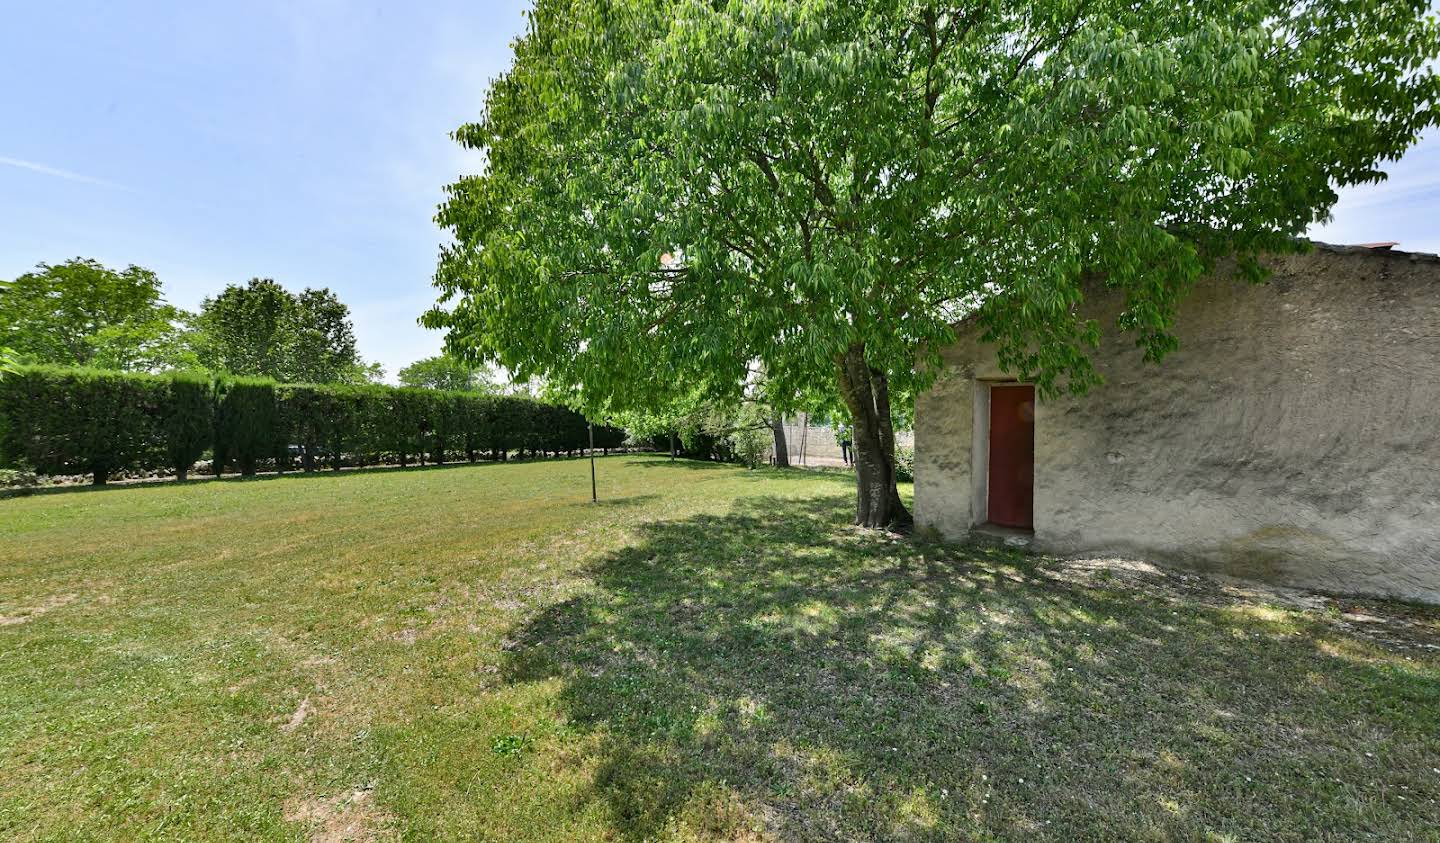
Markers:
point(765, 667)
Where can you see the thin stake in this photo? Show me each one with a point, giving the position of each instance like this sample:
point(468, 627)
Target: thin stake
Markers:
point(593, 497)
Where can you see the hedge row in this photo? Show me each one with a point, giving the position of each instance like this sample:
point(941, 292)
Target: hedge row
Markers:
point(78, 421)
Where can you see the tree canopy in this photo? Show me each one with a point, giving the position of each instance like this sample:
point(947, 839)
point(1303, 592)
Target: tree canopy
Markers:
point(261, 329)
point(82, 313)
point(678, 190)
point(446, 372)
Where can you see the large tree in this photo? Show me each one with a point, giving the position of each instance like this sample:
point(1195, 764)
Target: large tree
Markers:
point(82, 313)
point(678, 189)
point(262, 329)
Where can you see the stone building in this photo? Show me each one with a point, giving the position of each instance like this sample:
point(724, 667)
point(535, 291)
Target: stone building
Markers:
point(1294, 437)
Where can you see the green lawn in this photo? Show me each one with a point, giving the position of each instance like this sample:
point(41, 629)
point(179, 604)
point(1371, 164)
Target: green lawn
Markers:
point(709, 654)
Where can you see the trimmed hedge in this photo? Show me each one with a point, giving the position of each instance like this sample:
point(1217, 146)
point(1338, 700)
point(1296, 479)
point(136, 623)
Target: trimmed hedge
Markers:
point(80, 421)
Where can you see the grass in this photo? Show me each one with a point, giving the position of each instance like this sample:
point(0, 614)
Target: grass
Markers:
point(710, 654)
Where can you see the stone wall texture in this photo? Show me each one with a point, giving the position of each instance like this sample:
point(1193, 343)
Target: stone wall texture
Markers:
point(1294, 438)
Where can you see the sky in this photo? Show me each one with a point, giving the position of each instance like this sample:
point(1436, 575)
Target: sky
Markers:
point(308, 141)
point(301, 140)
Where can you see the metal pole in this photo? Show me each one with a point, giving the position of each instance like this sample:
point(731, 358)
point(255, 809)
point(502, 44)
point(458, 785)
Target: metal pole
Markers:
point(593, 497)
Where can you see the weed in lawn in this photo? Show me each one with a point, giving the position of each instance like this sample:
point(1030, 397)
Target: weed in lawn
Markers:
point(509, 745)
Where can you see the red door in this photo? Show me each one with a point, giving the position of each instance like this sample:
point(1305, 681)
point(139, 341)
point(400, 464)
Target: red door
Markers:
point(1012, 455)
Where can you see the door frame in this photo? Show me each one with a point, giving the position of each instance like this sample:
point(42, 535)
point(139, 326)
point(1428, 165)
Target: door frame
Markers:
point(980, 449)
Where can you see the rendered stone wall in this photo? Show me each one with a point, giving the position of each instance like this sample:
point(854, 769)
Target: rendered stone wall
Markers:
point(1294, 438)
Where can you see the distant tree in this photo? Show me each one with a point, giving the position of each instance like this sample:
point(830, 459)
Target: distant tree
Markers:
point(261, 329)
point(165, 343)
point(711, 426)
point(446, 372)
point(320, 342)
point(363, 372)
point(243, 328)
point(81, 313)
point(8, 362)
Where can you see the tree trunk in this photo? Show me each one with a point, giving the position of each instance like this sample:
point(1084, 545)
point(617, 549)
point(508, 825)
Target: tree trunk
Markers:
point(866, 391)
point(182, 474)
point(782, 450)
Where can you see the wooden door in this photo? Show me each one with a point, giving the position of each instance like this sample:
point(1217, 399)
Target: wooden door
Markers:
point(1012, 456)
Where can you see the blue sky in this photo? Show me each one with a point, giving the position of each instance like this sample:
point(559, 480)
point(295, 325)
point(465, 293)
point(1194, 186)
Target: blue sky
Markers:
point(213, 142)
point(306, 141)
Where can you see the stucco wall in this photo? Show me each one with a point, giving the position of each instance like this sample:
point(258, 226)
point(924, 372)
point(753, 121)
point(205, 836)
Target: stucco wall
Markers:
point(1294, 437)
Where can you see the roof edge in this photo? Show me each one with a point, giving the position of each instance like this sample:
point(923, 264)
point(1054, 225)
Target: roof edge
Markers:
point(1386, 250)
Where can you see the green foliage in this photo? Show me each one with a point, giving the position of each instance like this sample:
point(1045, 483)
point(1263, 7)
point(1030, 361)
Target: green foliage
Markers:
point(362, 371)
point(186, 419)
point(447, 372)
point(78, 421)
point(751, 440)
point(81, 313)
point(263, 330)
point(706, 427)
point(245, 422)
point(66, 421)
point(8, 360)
point(905, 464)
point(677, 190)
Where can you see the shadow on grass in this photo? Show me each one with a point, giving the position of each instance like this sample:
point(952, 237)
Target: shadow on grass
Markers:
point(626, 501)
point(198, 478)
point(681, 464)
point(844, 477)
point(772, 668)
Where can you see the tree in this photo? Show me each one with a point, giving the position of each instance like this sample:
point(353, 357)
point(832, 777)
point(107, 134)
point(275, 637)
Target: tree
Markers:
point(262, 330)
point(447, 372)
point(243, 329)
point(681, 188)
point(363, 372)
point(81, 313)
point(321, 344)
point(8, 362)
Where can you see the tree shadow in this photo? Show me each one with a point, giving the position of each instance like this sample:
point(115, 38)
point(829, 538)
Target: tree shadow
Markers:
point(845, 478)
point(680, 463)
point(771, 667)
point(296, 473)
point(627, 501)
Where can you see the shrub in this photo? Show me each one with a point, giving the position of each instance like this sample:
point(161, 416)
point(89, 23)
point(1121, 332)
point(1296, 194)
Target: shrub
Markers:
point(904, 464)
point(245, 429)
point(65, 421)
point(78, 421)
point(186, 418)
